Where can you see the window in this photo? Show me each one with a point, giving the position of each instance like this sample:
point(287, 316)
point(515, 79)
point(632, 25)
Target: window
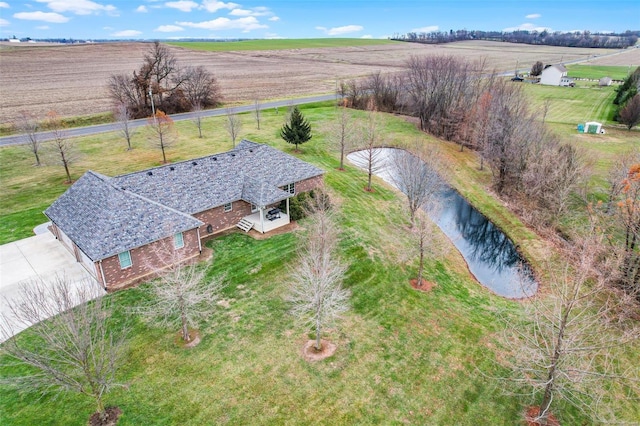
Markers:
point(291, 188)
point(254, 208)
point(125, 259)
point(178, 240)
point(228, 207)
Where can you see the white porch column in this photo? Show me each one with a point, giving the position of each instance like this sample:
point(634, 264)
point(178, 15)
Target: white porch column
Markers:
point(288, 209)
point(262, 219)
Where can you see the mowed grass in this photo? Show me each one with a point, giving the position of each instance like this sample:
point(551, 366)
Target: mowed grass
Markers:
point(279, 44)
point(598, 71)
point(573, 105)
point(403, 356)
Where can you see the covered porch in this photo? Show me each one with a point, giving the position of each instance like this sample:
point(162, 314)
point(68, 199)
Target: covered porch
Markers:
point(264, 225)
point(265, 214)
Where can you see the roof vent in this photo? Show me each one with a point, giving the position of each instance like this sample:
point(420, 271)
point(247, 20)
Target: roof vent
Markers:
point(149, 173)
point(172, 168)
point(250, 150)
point(194, 164)
point(233, 155)
point(215, 158)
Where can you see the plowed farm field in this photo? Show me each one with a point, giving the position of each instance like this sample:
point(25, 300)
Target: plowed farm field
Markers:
point(71, 79)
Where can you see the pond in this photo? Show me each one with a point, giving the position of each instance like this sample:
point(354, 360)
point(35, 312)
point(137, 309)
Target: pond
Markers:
point(491, 256)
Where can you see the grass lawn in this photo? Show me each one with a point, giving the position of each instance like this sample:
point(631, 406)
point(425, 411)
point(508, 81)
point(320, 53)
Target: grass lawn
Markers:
point(573, 105)
point(403, 356)
point(279, 44)
point(598, 71)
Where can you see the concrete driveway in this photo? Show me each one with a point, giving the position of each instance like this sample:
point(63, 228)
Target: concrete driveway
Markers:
point(40, 257)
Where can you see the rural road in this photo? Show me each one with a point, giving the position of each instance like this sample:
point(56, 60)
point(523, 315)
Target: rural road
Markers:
point(111, 127)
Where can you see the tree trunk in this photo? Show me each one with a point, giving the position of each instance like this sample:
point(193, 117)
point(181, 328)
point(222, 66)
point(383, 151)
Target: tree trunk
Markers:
point(421, 265)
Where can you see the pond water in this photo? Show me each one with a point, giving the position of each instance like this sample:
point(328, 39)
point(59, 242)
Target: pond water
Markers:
point(490, 254)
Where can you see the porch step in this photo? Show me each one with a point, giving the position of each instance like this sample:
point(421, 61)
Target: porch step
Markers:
point(245, 225)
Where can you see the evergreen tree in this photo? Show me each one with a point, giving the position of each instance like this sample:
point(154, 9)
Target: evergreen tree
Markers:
point(297, 130)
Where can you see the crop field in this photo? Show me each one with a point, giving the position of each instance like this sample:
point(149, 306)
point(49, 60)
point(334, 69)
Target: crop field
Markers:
point(279, 44)
point(72, 79)
point(626, 58)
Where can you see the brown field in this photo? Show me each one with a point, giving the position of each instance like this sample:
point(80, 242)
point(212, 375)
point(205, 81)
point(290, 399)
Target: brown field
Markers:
point(628, 57)
point(72, 79)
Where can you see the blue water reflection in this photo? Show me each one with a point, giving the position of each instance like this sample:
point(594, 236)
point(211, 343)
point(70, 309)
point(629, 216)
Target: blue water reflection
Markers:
point(490, 254)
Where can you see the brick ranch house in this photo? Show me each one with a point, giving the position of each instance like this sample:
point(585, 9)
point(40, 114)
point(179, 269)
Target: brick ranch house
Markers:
point(126, 228)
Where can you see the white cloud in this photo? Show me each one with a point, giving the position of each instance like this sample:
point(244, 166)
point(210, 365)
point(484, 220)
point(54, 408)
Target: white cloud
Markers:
point(341, 30)
point(214, 5)
point(274, 19)
point(142, 9)
point(54, 18)
point(79, 7)
point(245, 24)
point(127, 33)
point(240, 12)
point(182, 5)
point(4, 4)
point(43, 27)
point(427, 29)
point(526, 27)
point(4, 22)
point(367, 36)
point(107, 28)
point(168, 29)
point(533, 16)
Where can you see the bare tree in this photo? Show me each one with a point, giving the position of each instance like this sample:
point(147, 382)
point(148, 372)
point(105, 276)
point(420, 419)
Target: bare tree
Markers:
point(123, 120)
point(257, 112)
point(315, 293)
point(161, 132)
point(629, 114)
point(440, 85)
point(199, 87)
point(565, 344)
point(341, 133)
point(197, 120)
point(62, 147)
point(71, 345)
point(182, 297)
point(28, 125)
point(233, 125)
point(369, 155)
point(424, 237)
point(417, 174)
point(536, 69)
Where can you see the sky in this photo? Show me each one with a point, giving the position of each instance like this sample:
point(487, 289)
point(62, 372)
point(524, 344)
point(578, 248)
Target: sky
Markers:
point(160, 19)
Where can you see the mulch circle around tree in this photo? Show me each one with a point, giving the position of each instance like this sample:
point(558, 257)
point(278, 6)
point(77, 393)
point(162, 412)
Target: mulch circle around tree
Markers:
point(532, 413)
point(426, 285)
point(310, 353)
point(110, 419)
point(195, 339)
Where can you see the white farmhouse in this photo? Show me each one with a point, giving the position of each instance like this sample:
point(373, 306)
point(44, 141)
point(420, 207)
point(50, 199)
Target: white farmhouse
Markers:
point(556, 75)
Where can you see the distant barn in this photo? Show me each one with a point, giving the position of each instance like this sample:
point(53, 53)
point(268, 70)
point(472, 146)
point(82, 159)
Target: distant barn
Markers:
point(605, 81)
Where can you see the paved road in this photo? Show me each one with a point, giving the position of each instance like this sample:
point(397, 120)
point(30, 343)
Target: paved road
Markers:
point(111, 127)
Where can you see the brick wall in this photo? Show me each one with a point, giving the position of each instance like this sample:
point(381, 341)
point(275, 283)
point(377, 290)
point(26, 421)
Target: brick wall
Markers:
point(148, 260)
point(308, 184)
point(219, 220)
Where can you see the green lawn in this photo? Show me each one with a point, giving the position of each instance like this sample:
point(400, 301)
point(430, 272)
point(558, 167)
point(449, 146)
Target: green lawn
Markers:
point(572, 105)
point(598, 71)
point(403, 356)
point(279, 44)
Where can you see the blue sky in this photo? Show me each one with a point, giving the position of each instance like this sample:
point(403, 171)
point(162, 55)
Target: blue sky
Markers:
point(160, 19)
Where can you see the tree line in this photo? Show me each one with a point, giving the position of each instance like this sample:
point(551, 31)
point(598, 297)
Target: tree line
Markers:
point(545, 180)
point(557, 38)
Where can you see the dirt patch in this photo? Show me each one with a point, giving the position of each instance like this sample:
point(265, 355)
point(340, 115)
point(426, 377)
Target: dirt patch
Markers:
point(194, 339)
point(425, 286)
point(310, 353)
point(110, 419)
point(72, 79)
point(532, 413)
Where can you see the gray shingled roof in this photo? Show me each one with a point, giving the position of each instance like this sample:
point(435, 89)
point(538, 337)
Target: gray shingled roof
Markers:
point(104, 220)
point(200, 184)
